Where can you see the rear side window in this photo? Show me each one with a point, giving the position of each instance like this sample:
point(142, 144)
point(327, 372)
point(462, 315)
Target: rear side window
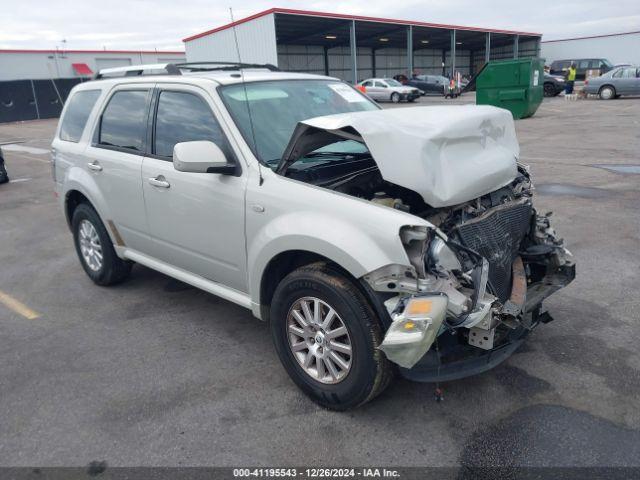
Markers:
point(185, 117)
point(123, 123)
point(76, 115)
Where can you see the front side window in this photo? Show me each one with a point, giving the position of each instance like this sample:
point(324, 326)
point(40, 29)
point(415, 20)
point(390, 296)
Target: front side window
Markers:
point(185, 117)
point(77, 113)
point(392, 83)
point(380, 84)
point(123, 123)
point(267, 112)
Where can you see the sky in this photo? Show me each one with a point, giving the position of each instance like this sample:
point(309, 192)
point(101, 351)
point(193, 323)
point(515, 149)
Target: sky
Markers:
point(162, 24)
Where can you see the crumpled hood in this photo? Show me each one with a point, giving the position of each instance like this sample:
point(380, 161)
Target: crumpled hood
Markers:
point(447, 154)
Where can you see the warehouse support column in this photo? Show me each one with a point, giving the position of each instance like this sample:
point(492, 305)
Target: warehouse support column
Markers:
point(487, 47)
point(410, 51)
point(352, 44)
point(326, 61)
point(452, 53)
point(373, 62)
point(516, 42)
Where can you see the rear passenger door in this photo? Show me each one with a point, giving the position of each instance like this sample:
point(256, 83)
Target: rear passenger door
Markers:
point(114, 160)
point(196, 220)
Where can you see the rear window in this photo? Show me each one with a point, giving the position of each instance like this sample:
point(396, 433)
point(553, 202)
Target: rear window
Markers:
point(75, 118)
point(123, 123)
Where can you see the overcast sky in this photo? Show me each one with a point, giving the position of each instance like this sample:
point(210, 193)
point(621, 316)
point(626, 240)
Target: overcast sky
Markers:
point(162, 24)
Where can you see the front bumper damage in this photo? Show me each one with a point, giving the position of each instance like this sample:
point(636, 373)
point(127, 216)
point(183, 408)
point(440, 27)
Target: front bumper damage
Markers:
point(437, 349)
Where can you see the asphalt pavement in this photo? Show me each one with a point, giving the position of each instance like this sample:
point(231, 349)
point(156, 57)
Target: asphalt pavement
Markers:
point(153, 372)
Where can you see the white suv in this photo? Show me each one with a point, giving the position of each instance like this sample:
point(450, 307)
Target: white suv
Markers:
point(374, 241)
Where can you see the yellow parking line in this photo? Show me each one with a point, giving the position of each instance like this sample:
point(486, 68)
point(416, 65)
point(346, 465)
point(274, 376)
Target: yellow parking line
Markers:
point(17, 306)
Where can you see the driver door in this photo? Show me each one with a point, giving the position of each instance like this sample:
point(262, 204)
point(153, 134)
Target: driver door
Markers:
point(196, 220)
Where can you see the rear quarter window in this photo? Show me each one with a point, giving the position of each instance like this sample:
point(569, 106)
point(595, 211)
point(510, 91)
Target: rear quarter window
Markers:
point(76, 115)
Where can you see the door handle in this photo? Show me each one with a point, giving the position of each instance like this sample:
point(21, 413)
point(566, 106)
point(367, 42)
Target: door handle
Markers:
point(95, 166)
point(159, 181)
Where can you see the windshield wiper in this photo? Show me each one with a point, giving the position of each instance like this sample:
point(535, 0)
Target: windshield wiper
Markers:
point(337, 154)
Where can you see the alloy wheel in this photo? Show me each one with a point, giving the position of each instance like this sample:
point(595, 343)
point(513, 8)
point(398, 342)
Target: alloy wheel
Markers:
point(90, 246)
point(319, 340)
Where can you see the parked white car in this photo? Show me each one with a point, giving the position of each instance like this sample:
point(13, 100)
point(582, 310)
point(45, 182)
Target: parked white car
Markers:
point(388, 89)
point(371, 244)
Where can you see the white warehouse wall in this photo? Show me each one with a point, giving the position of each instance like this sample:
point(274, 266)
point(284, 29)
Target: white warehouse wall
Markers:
point(38, 65)
point(256, 42)
point(620, 48)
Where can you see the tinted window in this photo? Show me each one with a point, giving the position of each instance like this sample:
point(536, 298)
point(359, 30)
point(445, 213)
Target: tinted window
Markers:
point(75, 118)
point(367, 83)
point(185, 117)
point(584, 64)
point(123, 121)
point(380, 84)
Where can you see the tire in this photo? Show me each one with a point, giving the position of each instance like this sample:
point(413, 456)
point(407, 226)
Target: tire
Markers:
point(395, 97)
point(368, 373)
point(110, 269)
point(4, 176)
point(607, 93)
point(549, 90)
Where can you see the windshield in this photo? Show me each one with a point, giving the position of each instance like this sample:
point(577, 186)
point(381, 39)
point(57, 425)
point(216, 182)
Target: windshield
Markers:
point(277, 106)
point(392, 83)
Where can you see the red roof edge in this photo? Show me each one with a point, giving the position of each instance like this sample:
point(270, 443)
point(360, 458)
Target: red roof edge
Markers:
point(353, 17)
point(162, 52)
point(592, 36)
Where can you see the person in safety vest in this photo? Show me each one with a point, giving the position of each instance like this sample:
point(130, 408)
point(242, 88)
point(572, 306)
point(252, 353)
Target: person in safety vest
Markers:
point(571, 79)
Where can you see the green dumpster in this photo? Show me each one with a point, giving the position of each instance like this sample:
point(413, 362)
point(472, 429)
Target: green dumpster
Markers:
point(516, 85)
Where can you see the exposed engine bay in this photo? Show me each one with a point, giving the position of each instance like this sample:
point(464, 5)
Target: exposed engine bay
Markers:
point(493, 259)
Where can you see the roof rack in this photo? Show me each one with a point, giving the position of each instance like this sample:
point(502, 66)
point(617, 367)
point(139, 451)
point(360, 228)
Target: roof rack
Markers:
point(224, 66)
point(138, 70)
point(177, 68)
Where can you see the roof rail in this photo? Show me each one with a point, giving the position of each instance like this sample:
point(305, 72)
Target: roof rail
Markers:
point(213, 66)
point(138, 70)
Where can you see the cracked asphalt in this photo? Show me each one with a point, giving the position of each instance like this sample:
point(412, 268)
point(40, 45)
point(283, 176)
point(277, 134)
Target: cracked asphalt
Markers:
point(156, 373)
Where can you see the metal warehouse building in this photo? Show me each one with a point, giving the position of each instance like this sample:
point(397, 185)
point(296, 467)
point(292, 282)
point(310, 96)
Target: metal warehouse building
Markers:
point(356, 47)
point(46, 64)
point(616, 47)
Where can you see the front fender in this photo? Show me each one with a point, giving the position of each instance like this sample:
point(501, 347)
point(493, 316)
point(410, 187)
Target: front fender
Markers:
point(326, 235)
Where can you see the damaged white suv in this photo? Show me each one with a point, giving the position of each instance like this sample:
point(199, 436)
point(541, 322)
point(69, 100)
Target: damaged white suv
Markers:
point(374, 241)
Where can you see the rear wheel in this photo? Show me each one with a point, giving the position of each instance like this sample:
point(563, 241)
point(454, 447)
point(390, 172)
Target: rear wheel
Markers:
point(327, 338)
point(607, 92)
point(395, 97)
point(94, 248)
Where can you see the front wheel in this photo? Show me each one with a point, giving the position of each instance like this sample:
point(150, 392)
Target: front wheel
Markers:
point(549, 90)
point(607, 92)
point(395, 97)
point(327, 337)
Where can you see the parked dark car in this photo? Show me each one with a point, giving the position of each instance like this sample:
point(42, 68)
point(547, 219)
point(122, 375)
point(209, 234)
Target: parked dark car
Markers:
point(553, 85)
point(4, 177)
point(560, 67)
point(430, 84)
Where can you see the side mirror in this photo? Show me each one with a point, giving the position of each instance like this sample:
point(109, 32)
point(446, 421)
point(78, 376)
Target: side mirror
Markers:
point(201, 156)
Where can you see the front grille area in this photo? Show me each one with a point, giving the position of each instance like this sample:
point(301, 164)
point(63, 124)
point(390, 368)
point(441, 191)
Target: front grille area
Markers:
point(497, 237)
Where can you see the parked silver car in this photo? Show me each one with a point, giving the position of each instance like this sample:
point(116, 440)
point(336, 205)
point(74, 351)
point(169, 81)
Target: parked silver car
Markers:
point(374, 241)
point(617, 82)
point(388, 89)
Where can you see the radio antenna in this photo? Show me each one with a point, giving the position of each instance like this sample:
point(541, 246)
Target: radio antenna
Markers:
point(246, 97)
